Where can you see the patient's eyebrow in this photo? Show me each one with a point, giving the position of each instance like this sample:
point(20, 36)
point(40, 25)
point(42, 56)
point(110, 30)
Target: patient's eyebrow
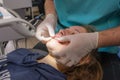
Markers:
point(77, 30)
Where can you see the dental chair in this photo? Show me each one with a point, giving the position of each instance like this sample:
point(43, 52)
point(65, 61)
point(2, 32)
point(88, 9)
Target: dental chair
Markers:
point(12, 27)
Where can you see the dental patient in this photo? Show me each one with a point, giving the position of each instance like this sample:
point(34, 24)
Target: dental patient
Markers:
point(24, 64)
point(88, 68)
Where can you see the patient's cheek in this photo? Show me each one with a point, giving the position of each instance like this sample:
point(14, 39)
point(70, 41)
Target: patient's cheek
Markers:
point(54, 45)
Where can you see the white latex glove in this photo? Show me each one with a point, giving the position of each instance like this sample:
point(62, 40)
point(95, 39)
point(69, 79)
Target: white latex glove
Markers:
point(79, 45)
point(47, 28)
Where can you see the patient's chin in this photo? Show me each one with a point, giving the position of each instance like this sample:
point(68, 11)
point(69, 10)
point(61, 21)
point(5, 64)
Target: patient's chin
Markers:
point(54, 45)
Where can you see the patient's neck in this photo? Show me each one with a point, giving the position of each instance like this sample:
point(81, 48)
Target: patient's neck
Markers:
point(51, 61)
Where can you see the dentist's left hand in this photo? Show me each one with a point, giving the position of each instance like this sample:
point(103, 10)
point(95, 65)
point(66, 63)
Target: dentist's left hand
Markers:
point(47, 28)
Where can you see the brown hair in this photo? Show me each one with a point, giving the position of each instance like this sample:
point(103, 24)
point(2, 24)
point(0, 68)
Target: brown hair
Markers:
point(88, 69)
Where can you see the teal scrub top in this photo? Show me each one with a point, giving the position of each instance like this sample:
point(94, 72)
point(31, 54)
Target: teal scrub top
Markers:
point(102, 14)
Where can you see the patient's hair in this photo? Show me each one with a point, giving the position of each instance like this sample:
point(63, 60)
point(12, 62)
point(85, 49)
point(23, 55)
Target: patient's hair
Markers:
point(89, 67)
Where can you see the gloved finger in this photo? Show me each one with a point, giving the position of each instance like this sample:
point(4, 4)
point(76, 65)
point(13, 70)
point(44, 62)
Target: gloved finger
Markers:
point(50, 30)
point(71, 63)
point(68, 61)
point(38, 36)
point(45, 38)
point(63, 61)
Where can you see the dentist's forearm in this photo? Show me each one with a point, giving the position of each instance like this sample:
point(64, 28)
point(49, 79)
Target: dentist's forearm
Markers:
point(49, 7)
point(109, 37)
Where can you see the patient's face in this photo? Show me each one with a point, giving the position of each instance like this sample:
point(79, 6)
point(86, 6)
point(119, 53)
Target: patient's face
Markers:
point(55, 45)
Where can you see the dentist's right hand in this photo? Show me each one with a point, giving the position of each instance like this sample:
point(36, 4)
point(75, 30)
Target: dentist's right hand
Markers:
point(79, 45)
point(46, 29)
